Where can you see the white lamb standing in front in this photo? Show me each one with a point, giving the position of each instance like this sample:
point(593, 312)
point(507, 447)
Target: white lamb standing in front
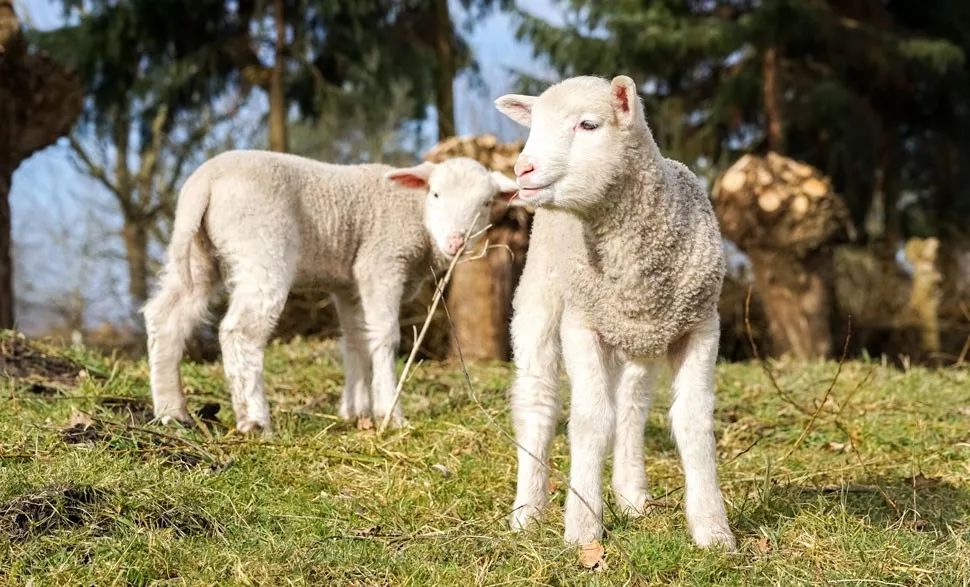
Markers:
point(266, 222)
point(624, 271)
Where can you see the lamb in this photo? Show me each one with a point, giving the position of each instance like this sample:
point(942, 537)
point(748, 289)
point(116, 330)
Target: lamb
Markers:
point(624, 271)
point(267, 222)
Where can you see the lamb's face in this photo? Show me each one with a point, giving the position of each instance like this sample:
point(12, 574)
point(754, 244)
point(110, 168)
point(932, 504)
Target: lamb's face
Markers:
point(459, 198)
point(580, 130)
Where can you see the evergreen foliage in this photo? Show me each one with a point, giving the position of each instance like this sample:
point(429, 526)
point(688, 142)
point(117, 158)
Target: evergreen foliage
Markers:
point(872, 92)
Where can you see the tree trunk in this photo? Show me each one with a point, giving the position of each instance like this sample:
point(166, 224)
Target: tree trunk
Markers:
point(135, 235)
point(6, 242)
point(771, 87)
point(471, 305)
point(445, 75)
point(278, 140)
point(796, 296)
point(39, 102)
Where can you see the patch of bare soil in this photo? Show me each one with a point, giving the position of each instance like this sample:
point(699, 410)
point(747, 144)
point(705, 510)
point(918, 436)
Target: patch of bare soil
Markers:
point(135, 410)
point(45, 372)
point(48, 510)
point(66, 507)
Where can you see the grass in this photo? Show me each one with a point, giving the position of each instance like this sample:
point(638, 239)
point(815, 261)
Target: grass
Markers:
point(876, 492)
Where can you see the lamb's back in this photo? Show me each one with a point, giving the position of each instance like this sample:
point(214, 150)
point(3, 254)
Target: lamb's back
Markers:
point(332, 212)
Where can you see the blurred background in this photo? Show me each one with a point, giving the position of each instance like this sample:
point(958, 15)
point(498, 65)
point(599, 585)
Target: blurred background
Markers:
point(834, 136)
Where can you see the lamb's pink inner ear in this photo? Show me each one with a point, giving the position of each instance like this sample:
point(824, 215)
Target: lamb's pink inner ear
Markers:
point(622, 98)
point(408, 180)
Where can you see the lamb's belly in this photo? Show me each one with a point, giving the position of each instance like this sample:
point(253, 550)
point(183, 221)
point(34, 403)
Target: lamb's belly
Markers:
point(325, 272)
point(326, 256)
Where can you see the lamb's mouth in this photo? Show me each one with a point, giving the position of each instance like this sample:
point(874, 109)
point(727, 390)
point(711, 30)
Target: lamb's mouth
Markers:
point(532, 195)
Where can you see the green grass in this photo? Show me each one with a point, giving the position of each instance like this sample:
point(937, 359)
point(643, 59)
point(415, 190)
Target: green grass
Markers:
point(877, 492)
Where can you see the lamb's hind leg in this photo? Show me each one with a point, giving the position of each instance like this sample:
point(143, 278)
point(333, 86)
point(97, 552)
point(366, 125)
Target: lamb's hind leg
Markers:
point(633, 394)
point(256, 299)
point(355, 401)
point(170, 317)
point(692, 421)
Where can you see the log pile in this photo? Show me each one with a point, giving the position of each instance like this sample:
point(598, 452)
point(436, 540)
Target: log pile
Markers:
point(482, 148)
point(785, 216)
point(480, 295)
point(779, 203)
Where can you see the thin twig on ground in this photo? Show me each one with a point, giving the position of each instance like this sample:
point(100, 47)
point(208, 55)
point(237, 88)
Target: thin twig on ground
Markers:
point(826, 395)
point(784, 395)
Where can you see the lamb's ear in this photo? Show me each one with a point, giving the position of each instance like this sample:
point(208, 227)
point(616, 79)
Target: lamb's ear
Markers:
point(625, 101)
point(412, 177)
point(516, 107)
point(506, 189)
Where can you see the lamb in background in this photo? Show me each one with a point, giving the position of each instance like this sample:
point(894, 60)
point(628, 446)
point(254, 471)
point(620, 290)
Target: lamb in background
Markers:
point(624, 269)
point(265, 222)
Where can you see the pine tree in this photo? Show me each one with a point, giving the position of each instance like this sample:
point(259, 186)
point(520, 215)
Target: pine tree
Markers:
point(842, 85)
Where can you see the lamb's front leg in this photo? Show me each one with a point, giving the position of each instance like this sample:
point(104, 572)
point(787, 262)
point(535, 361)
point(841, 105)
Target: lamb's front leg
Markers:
point(692, 420)
point(380, 294)
point(534, 395)
point(591, 422)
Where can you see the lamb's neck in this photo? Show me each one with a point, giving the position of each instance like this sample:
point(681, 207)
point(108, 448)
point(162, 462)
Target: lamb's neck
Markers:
point(635, 221)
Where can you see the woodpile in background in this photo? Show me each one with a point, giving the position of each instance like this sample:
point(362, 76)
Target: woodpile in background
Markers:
point(479, 298)
point(774, 202)
point(784, 215)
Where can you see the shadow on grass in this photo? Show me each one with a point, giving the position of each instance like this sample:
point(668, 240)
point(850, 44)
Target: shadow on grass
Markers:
point(918, 504)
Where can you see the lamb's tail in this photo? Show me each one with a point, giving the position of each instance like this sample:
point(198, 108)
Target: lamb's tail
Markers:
point(192, 204)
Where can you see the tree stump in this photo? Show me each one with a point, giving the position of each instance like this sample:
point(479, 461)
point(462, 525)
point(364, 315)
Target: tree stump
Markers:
point(925, 295)
point(785, 216)
point(479, 298)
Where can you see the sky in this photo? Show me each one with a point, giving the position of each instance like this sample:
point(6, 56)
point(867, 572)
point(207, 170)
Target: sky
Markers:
point(56, 208)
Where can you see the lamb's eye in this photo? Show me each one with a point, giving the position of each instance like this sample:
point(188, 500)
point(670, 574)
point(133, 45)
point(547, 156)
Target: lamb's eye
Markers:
point(588, 125)
point(435, 194)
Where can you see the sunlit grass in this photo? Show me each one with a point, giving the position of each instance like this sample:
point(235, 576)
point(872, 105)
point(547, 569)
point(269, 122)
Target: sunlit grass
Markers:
point(877, 491)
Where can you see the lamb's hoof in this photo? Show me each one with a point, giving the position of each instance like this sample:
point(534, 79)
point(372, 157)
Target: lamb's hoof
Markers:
point(347, 413)
point(176, 418)
point(396, 421)
point(583, 531)
point(634, 506)
point(255, 428)
point(523, 515)
point(715, 536)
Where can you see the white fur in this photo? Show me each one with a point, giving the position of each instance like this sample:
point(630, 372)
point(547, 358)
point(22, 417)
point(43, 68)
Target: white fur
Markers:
point(266, 222)
point(576, 176)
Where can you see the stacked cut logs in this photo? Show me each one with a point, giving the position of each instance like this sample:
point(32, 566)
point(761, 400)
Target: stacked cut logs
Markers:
point(785, 216)
point(775, 202)
point(480, 296)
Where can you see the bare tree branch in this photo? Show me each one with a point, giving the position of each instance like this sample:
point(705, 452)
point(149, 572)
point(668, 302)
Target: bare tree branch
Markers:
point(85, 164)
point(150, 154)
